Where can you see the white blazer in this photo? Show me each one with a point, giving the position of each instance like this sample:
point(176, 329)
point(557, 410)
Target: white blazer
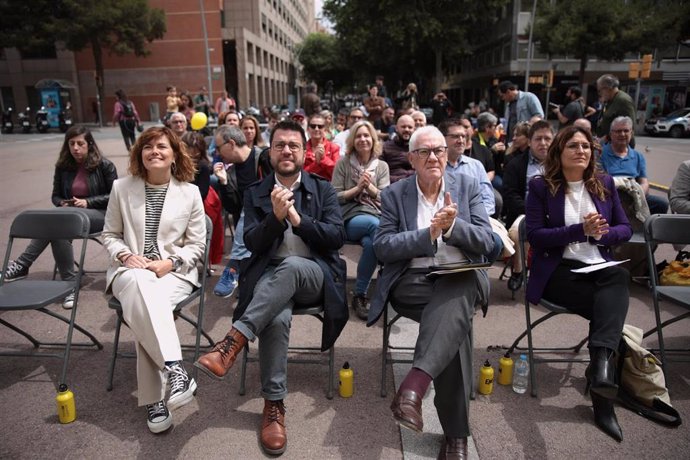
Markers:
point(182, 229)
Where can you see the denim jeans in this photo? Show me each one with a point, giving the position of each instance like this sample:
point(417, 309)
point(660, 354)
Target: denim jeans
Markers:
point(362, 228)
point(295, 281)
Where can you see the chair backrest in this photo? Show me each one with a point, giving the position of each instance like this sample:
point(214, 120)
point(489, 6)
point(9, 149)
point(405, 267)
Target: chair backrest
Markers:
point(47, 224)
point(667, 228)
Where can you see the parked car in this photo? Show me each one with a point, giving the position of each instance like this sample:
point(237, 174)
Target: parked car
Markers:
point(676, 124)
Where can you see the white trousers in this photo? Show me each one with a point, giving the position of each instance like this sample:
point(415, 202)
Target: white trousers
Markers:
point(147, 306)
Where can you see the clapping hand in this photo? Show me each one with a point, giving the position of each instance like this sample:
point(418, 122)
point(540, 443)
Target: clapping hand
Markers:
point(444, 217)
point(595, 225)
point(281, 200)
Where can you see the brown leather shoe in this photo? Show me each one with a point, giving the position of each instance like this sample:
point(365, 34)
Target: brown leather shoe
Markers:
point(407, 410)
point(273, 434)
point(218, 361)
point(453, 449)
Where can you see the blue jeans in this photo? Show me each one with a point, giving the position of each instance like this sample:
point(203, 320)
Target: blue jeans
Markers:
point(657, 204)
point(362, 228)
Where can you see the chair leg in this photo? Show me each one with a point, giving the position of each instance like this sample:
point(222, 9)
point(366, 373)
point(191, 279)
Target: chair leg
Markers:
point(331, 373)
point(243, 371)
point(530, 351)
point(116, 343)
point(26, 335)
point(384, 351)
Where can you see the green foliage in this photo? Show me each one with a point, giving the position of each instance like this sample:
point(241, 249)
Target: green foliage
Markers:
point(320, 56)
point(609, 30)
point(402, 38)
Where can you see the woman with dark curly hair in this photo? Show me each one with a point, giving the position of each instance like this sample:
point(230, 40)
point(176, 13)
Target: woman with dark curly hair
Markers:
point(155, 233)
point(574, 217)
point(83, 179)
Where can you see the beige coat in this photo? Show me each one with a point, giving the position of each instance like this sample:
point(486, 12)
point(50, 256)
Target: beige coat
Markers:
point(182, 229)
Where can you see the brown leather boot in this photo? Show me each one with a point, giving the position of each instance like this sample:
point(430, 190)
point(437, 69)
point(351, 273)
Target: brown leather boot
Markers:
point(218, 361)
point(273, 434)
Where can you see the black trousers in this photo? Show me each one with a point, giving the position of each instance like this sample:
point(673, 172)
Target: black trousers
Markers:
point(127, 128)
point(601, 297)
point(444, 308)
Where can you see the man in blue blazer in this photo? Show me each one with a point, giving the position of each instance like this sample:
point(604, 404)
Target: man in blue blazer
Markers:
point(429, 219)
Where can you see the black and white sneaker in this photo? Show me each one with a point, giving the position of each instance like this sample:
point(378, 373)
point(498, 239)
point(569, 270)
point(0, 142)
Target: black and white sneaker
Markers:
point(182, 387)
point(15, 271)
point(159, 418)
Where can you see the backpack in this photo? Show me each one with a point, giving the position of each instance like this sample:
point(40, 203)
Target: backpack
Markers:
point(127, 109)
point(642, 386)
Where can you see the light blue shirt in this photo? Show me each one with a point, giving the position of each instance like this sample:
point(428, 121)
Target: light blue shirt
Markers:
point(534, 168)
point(631, 165)
point(474, 168)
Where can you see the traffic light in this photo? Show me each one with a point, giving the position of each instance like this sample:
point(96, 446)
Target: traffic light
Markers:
point(634, 71)
point(646, 66)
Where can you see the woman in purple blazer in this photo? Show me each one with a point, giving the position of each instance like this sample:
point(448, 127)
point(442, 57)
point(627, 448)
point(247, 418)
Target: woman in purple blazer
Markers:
point(573, 217)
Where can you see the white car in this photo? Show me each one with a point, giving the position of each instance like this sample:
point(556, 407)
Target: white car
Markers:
point(676, 124)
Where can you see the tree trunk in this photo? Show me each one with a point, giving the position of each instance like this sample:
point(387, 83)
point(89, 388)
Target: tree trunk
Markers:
point(100, 84)
point(438, 80)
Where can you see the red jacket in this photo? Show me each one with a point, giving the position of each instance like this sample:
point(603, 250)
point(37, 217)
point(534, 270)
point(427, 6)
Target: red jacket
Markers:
point(330, 158)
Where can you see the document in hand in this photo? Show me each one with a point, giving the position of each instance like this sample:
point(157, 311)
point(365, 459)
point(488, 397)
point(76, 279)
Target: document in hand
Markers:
point(447, 269)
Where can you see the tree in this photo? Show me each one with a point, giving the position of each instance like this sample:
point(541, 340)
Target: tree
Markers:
point(115, 26)
point(409, 38)
point(320, 57)
point(606, 30)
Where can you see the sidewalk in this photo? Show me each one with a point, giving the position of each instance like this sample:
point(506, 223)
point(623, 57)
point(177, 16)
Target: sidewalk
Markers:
point(222, 424)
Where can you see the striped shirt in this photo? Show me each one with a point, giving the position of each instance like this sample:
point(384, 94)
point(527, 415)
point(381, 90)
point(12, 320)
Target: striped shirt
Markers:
point(155, 197)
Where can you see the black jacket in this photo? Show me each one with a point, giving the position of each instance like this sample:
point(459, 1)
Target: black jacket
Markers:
point(231, 195)
point(322, 230)
point(100, 182)
point(515, 187)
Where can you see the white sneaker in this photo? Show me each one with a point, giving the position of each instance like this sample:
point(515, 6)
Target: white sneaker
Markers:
point(159, 417)
point(68, 303)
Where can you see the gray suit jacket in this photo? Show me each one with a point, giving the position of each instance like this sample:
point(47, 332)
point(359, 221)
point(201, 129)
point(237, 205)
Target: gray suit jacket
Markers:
point(398, 240)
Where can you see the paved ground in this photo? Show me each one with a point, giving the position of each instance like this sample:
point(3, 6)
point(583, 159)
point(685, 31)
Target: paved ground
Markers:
point(222, 424)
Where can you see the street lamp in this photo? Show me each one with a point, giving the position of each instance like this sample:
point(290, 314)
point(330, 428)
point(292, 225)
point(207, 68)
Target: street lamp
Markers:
point(529, 45)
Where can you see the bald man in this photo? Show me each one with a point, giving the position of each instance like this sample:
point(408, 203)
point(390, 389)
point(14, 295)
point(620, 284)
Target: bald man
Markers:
point(395, 151)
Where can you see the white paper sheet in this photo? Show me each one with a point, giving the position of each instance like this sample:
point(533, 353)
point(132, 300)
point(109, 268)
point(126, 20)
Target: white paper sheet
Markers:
point(595, 267)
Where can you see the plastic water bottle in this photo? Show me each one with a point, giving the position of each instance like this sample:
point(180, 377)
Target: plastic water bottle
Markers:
point(521, 375)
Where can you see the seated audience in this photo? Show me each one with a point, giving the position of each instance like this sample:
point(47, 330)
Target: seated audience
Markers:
point(428, 219)
point(419, 119)
point(322, 155)
point(679, 193)
point(294, 244)
point(574, 217)
point(155, 233)
point(619, 159)
point(394, 152)
point(83, 179)
point(516, 179)
point(358, 178)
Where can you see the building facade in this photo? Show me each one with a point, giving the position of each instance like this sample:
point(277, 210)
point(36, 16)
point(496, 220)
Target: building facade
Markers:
point(251, 53)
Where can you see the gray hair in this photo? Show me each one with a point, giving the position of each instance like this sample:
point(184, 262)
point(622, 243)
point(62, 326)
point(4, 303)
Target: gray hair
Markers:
point(622, 120)
point(231, 133)
point(423, 131)
point(608, 81)
point(485, 119)
point(174, 114)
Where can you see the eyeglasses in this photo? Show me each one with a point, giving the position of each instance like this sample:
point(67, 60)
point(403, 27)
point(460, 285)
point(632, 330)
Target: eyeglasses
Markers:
point(455, 137)
point(576, 146)
point(314, 126)
point(293, 146)
point(424, 153)
point(621, 131)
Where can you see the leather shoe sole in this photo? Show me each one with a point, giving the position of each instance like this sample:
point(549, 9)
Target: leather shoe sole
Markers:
point(407, 410)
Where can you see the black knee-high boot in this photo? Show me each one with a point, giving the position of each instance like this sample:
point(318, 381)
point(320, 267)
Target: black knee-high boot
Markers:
point(601, 373)
point(605, 417)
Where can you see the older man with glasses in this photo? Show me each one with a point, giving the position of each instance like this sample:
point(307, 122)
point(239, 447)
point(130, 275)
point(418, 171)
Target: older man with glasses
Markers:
point(355, 115)
point(432, 219)
point(178, 123)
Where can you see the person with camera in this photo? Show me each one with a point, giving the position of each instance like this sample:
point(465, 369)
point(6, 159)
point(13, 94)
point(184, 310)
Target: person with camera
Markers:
point(441, 106)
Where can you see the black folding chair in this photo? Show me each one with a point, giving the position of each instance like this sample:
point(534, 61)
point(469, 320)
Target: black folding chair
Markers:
point(388, 350)
point(552, 310)
point(673, 229)
point(317, 356)
point(36, 295)
point(197, 293)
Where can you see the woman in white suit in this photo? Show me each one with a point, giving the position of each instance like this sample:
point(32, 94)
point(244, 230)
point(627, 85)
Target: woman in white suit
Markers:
point(155, 233)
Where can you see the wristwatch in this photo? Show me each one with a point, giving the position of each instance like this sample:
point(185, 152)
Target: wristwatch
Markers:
point(177, 263)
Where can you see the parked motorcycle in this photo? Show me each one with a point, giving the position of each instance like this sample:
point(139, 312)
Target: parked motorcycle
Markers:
point(42, 124)
point(25, 120)
point(7, 122)
point(65, 118)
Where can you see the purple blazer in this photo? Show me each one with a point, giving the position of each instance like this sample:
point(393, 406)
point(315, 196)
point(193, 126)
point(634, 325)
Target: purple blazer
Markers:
point(548, 235)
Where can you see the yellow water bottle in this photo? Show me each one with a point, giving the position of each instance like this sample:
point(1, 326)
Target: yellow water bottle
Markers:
point(505, 370)
point(67, 411)
point(486, 378)
point(347, 384)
